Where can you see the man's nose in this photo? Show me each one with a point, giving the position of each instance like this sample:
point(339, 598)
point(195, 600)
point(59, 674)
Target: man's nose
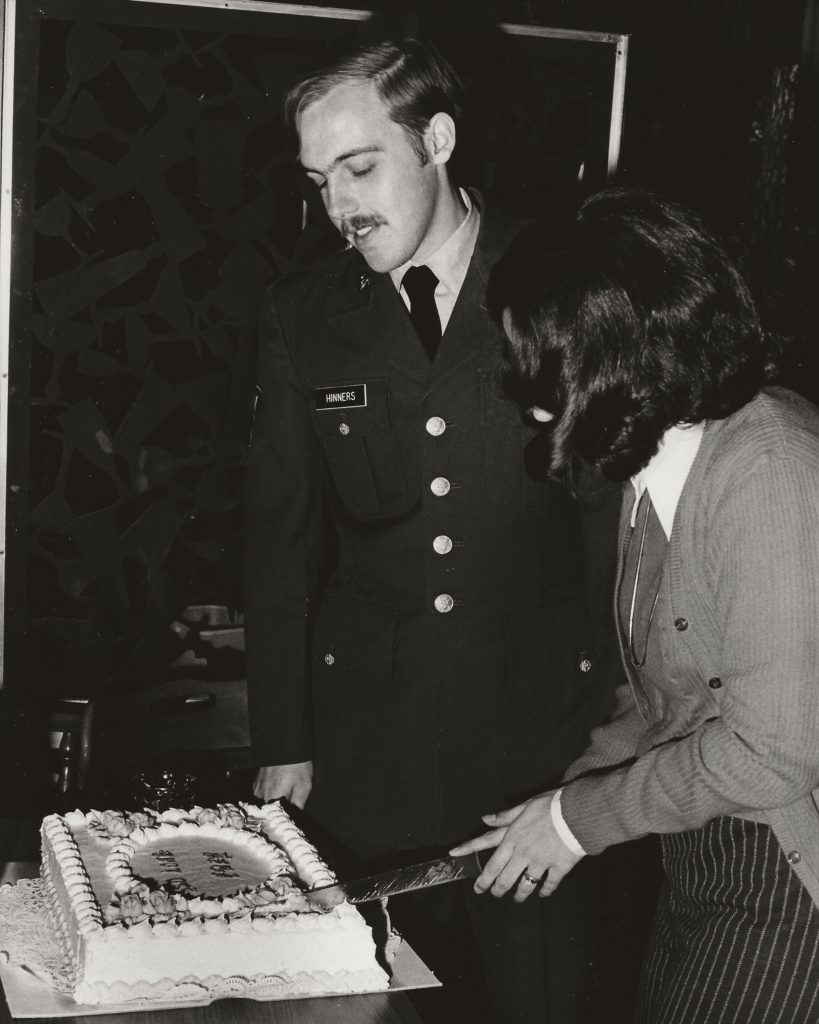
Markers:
point(339, 201)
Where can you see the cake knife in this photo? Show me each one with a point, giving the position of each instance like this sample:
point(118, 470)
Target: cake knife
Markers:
point(406, 879)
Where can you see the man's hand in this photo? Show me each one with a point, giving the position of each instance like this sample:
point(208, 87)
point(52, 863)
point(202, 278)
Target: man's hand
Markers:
point(291, 782)
point(529, 854)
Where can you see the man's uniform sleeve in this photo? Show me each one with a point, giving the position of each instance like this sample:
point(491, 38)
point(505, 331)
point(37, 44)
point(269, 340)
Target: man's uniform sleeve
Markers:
point(281, 540)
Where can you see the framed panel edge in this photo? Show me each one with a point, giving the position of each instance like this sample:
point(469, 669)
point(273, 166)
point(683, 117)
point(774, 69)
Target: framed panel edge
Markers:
point(7, 26)
point(618, 103)
point(261, 7)
point(619, 42)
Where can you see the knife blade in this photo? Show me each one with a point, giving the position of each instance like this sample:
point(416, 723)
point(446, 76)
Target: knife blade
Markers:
point(390, 883)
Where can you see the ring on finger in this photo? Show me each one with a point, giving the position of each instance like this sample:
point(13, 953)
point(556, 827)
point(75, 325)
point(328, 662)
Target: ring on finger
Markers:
point(527, 879)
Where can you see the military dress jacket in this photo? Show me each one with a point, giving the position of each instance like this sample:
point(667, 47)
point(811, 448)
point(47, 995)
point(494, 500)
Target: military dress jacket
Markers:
point(438, 652)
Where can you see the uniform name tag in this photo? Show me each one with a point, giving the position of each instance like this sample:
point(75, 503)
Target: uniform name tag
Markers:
point(350, 396)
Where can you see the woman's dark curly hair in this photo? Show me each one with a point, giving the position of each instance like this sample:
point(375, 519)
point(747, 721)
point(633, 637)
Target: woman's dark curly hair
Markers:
point(623, 323)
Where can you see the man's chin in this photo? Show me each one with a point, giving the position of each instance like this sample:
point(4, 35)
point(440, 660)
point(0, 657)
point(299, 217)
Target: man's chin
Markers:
point(379, 266)
point(378, 258)
point(379, 262)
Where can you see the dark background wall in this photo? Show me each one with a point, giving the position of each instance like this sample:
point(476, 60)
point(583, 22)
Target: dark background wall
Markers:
point(156, 210)
point(721, 112)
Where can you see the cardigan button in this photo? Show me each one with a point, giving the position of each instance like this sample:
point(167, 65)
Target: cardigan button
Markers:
point(715, 683)
point(794, 857)
point(681, 624)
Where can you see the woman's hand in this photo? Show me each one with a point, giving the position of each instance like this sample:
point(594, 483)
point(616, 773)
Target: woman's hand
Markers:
point(529, 854)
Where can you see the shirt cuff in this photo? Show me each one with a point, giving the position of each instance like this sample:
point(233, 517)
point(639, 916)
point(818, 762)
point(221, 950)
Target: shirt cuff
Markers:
point(562, 828)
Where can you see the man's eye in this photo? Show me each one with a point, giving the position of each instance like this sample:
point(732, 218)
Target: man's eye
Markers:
point(361, 172)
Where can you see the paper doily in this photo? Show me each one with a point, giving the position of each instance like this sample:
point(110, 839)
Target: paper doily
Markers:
point(29, 937)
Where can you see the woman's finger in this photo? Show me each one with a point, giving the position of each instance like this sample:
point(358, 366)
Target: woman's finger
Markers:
point(485, 842)
point(528, 883)
point(509, 876)
point(493, 868)
point(551, 881)
point(505, 818)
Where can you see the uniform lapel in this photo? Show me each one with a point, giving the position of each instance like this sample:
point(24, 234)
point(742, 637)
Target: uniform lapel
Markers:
point(468, 331)
point(375, 320)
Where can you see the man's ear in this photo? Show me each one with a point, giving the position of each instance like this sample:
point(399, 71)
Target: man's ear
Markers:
point(440, 137)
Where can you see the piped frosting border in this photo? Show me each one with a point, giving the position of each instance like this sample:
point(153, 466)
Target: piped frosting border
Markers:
point(134, 903)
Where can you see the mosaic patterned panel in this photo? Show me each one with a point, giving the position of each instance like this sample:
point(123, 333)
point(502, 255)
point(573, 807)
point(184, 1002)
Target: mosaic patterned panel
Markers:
point(164, 203)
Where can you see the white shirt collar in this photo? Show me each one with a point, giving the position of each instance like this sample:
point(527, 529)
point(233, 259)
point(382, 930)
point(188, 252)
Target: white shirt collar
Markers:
point(450, 261)
point(666, 473)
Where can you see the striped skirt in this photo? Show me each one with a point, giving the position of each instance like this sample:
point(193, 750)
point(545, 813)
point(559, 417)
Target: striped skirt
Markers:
point(736, 936)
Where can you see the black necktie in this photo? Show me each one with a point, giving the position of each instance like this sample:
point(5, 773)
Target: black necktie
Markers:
point(419, 284)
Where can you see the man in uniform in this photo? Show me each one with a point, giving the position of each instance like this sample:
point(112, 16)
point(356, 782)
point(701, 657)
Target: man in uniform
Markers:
point(449, 660)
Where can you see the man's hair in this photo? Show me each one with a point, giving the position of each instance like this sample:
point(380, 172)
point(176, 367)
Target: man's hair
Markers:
point(625, 322)
point(413, 79)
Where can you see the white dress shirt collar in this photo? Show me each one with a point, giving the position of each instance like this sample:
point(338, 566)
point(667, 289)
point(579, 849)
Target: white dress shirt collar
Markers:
point(449, 262)
point(666, 473)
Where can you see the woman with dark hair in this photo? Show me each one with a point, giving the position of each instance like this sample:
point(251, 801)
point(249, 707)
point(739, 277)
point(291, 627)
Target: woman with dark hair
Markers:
point(636, 343)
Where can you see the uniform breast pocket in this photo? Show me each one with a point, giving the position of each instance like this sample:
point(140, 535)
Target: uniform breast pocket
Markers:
point(352, 421)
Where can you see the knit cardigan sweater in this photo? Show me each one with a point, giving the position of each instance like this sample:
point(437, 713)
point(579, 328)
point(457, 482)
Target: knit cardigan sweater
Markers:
point(741, 588)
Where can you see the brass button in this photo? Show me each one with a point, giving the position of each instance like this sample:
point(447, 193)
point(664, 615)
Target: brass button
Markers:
point(329, 659)
point(435, 426)
point(444, 603)
point(344, 429)
point(681, 624)
point(440, 486)
point(442, 544)
point(715, 683)
point(794, 857)
point(585, 662)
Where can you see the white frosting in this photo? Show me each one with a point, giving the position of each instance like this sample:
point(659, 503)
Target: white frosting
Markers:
point(175, 904)
point(281, 829)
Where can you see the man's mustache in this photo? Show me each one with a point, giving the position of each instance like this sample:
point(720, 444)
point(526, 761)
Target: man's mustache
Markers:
point(350, 225)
